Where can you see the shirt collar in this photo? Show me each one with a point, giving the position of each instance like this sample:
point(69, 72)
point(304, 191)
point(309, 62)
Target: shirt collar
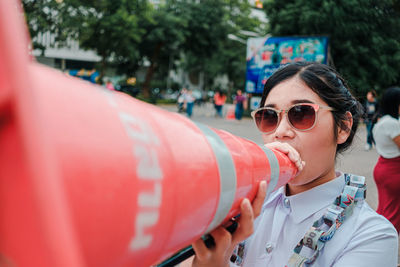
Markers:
point(305, 204)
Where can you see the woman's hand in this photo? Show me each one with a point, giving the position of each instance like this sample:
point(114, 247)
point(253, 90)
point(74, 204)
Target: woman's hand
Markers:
point(225, 242)
point(292, 153)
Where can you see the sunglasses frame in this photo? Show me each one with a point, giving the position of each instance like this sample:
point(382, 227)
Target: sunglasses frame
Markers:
point(316, 108)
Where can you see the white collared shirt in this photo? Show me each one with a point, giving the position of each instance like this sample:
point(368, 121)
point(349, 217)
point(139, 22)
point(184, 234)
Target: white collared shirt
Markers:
point(365, 238)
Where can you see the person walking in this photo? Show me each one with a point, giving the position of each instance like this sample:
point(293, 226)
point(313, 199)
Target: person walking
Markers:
point(371, 108)
point(219, 102)
point(240, 104)
point(319, 218)
point(181, 100)
point(189, 103)
point(387, 169)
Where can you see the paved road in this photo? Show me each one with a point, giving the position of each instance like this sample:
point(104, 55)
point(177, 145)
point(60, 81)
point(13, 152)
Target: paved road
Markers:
point(355, 160)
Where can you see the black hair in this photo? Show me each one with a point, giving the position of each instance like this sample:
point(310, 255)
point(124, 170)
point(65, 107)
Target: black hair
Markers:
point(390, 102)
point(373, 92)
point(329, 86)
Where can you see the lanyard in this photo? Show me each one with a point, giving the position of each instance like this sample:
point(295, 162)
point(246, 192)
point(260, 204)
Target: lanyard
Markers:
point(325, 227)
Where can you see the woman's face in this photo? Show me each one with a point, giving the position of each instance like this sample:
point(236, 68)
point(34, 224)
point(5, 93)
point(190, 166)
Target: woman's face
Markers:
point(317, 147)
point(370, 97)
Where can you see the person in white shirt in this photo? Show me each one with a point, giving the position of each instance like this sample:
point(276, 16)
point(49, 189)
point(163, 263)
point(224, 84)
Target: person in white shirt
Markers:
point(387, 169)
point(189, 102)
point(320, 217)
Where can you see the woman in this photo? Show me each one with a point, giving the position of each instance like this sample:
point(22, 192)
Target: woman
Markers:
point(219, 102)
point(240, 104)
point(308, 113)
point(387, 169)
point(189, 103)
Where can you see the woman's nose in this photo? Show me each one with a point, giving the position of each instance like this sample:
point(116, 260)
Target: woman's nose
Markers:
point(284, 129)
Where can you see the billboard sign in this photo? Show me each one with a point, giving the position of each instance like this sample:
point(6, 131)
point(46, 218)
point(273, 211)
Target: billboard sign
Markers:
point(265, 55)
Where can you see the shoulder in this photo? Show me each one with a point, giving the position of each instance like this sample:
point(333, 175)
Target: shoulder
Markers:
point(371, 223)
point(365, 224)
point(364, 239)
point(370, 236)
point(393, 126)
point(388, 123)
point(389, 120)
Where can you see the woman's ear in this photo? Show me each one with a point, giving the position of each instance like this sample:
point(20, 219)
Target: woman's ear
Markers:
point(344, 132)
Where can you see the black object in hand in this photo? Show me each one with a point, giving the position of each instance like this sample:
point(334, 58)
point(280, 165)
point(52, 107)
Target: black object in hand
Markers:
point(188, 251)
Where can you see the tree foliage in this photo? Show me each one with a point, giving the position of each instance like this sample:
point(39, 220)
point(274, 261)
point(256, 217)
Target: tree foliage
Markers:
point(195, 33)
point(111, 28)
point(231, 57)
point(163, 38)
point(187, 34)
point(364, 35)
point(44, 16)
point(208, 48)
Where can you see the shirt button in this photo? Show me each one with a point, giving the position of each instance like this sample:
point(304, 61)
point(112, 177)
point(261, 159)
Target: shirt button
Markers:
point(268, 248)
point(286, 202)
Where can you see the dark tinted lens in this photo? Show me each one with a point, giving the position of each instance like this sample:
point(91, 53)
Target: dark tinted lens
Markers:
point(266, 120)
point(302, 117)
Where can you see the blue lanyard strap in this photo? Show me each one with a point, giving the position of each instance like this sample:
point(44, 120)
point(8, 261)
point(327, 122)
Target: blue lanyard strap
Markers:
point(325, 227)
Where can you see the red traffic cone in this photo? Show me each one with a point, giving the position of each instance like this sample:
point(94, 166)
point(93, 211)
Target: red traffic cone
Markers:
point(93, 177)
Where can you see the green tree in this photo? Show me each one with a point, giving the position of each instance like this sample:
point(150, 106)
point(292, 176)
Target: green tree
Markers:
point(194, 33)
point(112, 28)
point(164, 36)
point(208, 48)
point(364, 35)
point(231, 57)
point(130, 33)
point(187, 30)
point(44, 16)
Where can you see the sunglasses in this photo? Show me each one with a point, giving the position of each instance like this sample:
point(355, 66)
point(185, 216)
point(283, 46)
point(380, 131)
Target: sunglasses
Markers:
point(301, 117)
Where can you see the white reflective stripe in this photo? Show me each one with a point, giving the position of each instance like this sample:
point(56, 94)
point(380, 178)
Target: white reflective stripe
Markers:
point(274, 167)
point(227, 175)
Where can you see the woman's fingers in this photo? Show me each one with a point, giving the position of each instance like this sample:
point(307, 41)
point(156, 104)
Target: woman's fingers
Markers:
point(202, 252)
point(225, 241)
point(248, 212)
point(217, 255)
point(259, 199)
point(222, 238)
point(292, 153)
point(245, 222)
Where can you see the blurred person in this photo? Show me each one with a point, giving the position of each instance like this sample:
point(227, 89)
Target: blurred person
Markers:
point(371, 109)
point(240, 104)
point(189, 103)
point(181, 100)
point(219, 102)
point(320, 217)
point(387, 169)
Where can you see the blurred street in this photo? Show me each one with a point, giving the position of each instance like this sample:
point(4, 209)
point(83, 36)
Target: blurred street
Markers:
point(355, 160)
